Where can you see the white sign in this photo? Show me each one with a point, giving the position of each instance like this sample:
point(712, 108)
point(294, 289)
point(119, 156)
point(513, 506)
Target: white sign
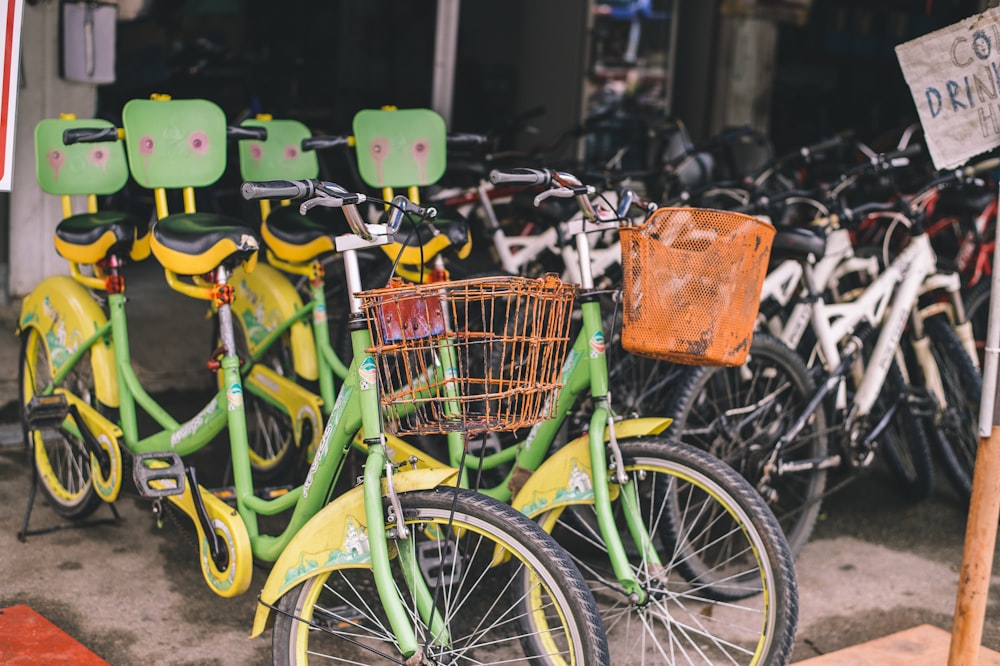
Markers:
point(10, 52)
point(954, 77)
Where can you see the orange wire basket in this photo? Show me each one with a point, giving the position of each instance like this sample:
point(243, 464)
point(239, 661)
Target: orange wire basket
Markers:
point(471, 355)
point(691, 284)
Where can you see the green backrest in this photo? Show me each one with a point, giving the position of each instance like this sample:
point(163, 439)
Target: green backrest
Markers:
point(400, 148)
point(80, 168)
point(281, 155)
point(175, 143)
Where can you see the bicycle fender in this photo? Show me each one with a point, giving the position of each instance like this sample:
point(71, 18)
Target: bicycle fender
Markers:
point(304, 406)
point(566, 477)
point(266, 299)
point(65, 315)
point(107, 435)
point(235, 579)
point(334, 538)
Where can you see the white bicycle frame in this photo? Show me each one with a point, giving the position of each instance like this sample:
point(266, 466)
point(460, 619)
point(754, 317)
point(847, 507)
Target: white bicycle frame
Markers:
point(888, 301)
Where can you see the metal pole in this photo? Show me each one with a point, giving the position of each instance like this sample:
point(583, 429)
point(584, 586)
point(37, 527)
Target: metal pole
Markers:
point(984, 505)
point(445, 46)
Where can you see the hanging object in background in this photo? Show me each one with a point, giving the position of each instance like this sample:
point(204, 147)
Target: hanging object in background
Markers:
point(87, 41)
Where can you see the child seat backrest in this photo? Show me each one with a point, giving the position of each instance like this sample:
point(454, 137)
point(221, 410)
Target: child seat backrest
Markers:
point(79, 168)
point(175, 143)
point(400, 147)
point(280, 156)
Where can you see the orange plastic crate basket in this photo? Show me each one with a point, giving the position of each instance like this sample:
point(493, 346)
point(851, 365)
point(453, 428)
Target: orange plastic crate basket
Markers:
point(691, 284)
point(506, 337)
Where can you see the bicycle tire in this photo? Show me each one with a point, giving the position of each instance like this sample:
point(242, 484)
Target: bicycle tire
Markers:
point(955, 432)
point(60, 459)
point(738, 604)
point(739, 414)
point(977, 310)
point(903, 443)
point(270, 438)
point(541, 603)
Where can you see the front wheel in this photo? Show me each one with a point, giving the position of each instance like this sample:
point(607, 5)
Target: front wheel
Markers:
point(954, 428)
point(503, 590)
point(720, 586)
point(742, 415)
point(58, 454)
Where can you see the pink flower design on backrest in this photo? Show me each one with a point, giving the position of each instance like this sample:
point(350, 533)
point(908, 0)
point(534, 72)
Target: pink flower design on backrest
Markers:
point(99, 156)
point(56, 159)
point(256, 151)
point(291, 152)
point(421, 148)
point(198, 141)
point(379, 149)
point(146, 145)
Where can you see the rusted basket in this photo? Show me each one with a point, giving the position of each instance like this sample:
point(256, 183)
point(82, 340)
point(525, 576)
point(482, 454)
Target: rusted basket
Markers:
point(691, 284)
point(471, 355)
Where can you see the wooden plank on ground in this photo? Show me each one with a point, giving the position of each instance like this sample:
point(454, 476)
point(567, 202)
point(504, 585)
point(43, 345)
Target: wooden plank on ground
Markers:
point(924, 645)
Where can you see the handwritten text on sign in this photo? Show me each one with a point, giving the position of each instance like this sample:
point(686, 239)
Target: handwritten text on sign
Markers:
point(954, 77)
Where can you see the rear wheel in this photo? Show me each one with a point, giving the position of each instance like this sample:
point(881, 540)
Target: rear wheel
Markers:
point(504, 590)
point(58, 454)
point(723, 590)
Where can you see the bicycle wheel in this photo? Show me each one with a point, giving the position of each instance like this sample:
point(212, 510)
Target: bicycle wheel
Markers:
point(954, 430)
point(739, 415)
point(903, 443)
point(504, 589)
point(60, 457)
point(977, 310)
point(725, 588)
point(270, 431)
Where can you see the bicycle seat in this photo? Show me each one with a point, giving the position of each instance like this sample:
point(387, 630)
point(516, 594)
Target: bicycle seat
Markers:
point(398, 148)
point(797, 243)
point(181, 144)
point(90, 169)
point(289, 235)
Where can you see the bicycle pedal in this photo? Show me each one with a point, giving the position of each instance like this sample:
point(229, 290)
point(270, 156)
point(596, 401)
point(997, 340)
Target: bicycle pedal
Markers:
point(46, 411)
point(439, 562)
point(158, 474)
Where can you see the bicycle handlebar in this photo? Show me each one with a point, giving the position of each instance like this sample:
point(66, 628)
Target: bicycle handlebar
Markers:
point(89, 135)
point(463, 140)
point(241, 133)
point(521, 176)
point(277, 189)
point(325, 142)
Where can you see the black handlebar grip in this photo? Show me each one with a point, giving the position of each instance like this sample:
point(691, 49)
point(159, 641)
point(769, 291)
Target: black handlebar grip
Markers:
point(520, 176)
point(89, 135)
point(463, 139)
point(241, 132)
point(826, 144)
point(986, 165)
point(276, 189)
point(325, 142)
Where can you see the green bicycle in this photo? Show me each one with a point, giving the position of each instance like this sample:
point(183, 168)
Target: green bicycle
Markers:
point(685, 560)
point(423, 571)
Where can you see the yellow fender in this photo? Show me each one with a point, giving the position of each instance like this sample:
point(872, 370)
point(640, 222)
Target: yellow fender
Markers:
point(335, 538)
point(65, 314)
point(265, 299)
point(303, 406)
point(234, 580)
point(107, 435)
point(566, 477)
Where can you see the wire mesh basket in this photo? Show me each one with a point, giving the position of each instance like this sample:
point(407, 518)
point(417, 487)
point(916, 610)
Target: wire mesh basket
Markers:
point(474, 355)
point(691, 284)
